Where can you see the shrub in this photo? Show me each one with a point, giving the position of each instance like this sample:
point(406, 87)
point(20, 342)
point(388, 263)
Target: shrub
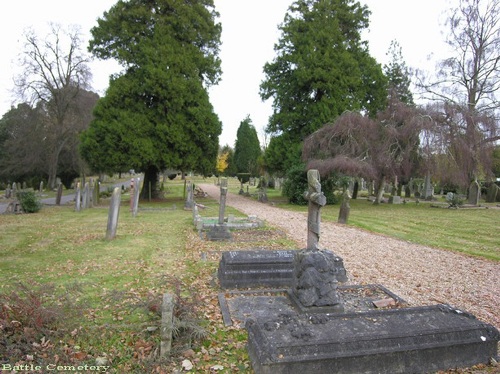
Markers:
point(29, 202)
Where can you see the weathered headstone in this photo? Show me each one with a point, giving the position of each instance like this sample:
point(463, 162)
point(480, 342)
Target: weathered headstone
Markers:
point(474, 193)
point(14, 190)
point(188, 204)
point(315, 280)
point(344, 208)
point(85, 196)
point(167, 321)
point(97, 190)
point(59, 194)
point(8, 191)
point(135, 207)
point(493, 192)
point(78, 197)
point(41, 187)
point(114, 210)
point(428, 188)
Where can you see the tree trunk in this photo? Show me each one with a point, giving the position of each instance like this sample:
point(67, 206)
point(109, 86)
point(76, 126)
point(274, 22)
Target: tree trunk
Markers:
point(150, 178)
point(380, 190)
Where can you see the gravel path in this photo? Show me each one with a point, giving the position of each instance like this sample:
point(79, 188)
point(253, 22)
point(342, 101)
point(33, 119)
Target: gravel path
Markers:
point(421, 275)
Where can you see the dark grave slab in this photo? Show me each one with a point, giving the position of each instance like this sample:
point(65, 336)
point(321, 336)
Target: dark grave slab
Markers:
point(405, 340)
point(262, 268)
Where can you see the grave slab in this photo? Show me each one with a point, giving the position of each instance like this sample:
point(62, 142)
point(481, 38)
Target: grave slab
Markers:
point(406, 340)
point(263, 268)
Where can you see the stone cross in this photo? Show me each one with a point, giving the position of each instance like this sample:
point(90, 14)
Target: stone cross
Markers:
point(222, 206)
point(316, 200)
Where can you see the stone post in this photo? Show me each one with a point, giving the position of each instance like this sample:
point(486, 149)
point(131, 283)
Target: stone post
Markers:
point(114, 210)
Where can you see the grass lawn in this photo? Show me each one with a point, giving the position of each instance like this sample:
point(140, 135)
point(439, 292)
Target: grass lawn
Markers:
point(70, 297)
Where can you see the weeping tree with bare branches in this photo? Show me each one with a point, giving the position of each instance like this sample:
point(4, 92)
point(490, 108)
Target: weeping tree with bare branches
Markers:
point(465, 90)
point(379, 148)
point(54, 71)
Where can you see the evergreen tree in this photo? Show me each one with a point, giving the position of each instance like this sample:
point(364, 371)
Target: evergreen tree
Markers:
point(398, 74)
point(246, 148)
point(322, 68)
point(157, 113)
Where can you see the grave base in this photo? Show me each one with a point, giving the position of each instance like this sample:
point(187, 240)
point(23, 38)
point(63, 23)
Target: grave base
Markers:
point(408, 340)
point(219, 233)
point(263, 268)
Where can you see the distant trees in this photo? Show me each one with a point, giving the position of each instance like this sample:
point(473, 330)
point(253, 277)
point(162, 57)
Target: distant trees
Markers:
point(465, 92)
point(246, 148)
point(157, 113)
point(322, 69)
point(55, 71)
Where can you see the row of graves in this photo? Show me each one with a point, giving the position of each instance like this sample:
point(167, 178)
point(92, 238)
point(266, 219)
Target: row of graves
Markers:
point(302, 316)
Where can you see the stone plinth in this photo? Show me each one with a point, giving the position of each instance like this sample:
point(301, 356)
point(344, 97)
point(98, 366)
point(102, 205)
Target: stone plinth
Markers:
point(219, 233)
point(315, 280)
point(263, 268)
point(407, 340)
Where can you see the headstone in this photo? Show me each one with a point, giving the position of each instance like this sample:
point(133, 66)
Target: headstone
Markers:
point(428, 188)
point(135, 207)
point(78, 197)
point(220, 231)
point(85, 196)
point(493, 191)
point(167, 321)
point(394, 199)
point(315, 282)
point(14, 190)
point(114, 210)
point(132, 192)
point(59, 194)
point(25, 185)
point(344, 208)
point(97, 190)
point(474, 193)
point(188, 205)
point(8, 192)
point(405, 340)
point(41, 187)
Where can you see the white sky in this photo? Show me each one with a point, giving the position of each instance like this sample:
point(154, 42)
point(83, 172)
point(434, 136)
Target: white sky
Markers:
point(248, 37)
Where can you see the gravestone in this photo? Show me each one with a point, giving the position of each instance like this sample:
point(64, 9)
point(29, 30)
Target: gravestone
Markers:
point(474, 193)
point(85, 196)
point(59, 194)
point(134, 196)
point(97, 190)
point(41, 187)
point(344, 208)
point(78, 197)
point(406, 340)
point(220, 231)
point(428, 188)
point(167, 321)
point(188, 204)
point(493, 192)
point(8, 192)
point(14, 190)
point(315, 282)
point(114, 210)
point(395, 199)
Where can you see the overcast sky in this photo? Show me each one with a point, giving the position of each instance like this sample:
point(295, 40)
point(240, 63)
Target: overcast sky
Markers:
point(249, 32)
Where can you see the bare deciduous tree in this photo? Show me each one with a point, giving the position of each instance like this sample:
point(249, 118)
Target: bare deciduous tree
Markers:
point(54, 70)
point(377, 149)
point(466, 86)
